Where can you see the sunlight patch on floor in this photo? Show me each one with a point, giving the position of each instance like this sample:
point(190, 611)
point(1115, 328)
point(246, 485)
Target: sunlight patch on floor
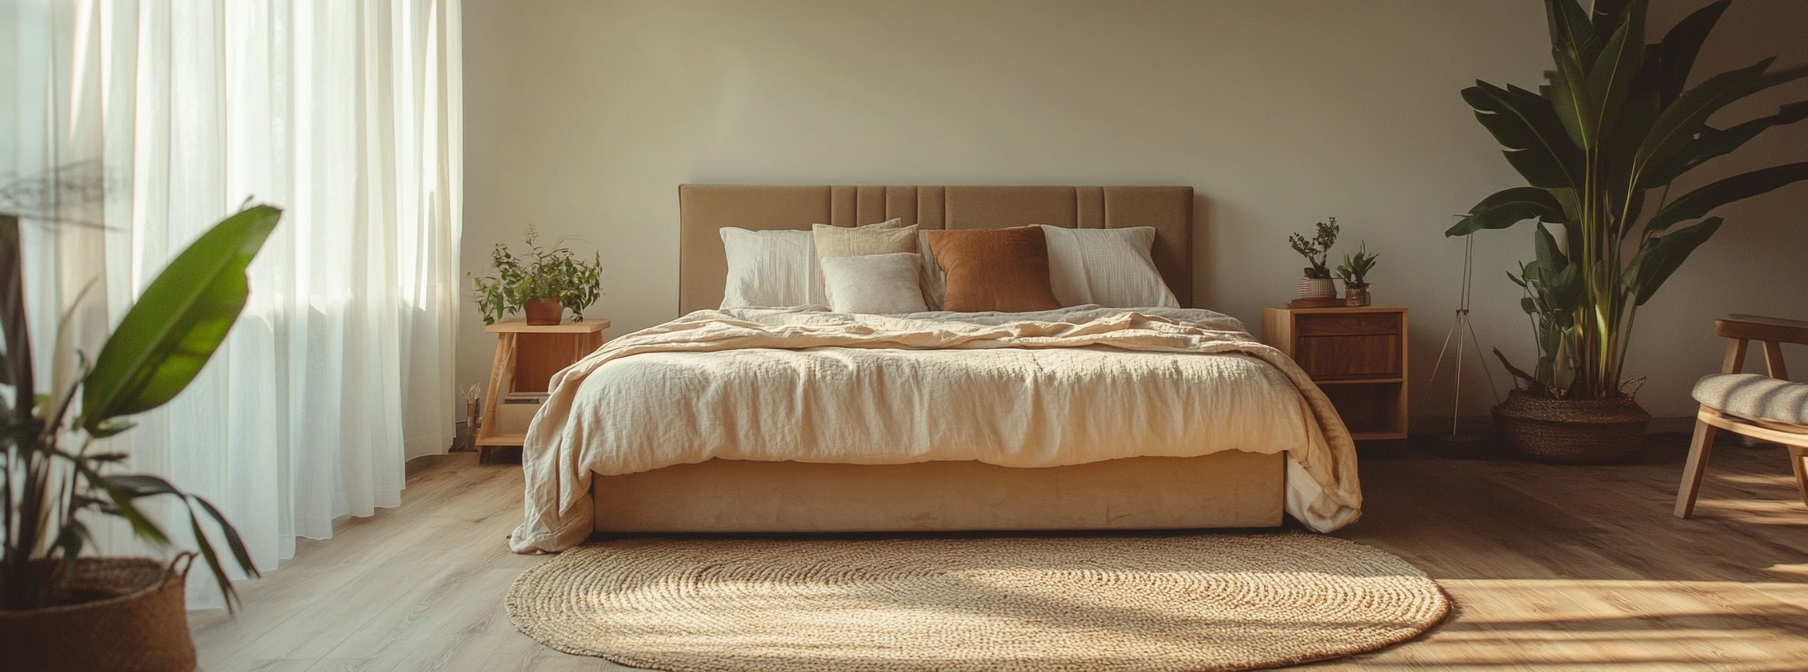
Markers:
point(1594, 624)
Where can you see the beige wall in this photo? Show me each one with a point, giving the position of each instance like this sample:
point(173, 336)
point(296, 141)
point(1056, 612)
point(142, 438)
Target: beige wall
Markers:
point(583, 116)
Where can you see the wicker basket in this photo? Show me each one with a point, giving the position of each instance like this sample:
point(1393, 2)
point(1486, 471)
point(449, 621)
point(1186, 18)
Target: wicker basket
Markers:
point(142, 628)
point(1317, 288)
point(1570, 431)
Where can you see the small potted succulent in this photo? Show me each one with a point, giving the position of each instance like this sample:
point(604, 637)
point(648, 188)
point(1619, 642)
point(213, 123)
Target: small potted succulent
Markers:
point(544, 282)
point(1355, 273)
point(1317, 250)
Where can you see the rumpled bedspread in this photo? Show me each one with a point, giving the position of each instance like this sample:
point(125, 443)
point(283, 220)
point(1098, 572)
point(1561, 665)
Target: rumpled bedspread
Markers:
point(1054, 388)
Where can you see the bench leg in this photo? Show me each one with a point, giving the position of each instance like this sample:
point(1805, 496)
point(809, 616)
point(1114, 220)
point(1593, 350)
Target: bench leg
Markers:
point(1699, 449)
point(1798, 458)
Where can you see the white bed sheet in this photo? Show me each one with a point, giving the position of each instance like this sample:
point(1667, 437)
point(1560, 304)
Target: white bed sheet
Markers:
point(1056, 388)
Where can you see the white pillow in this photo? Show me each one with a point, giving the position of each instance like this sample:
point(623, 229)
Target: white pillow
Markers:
point(874, 283)
point(770, 269)
point(1108, 267)
point(774, 269)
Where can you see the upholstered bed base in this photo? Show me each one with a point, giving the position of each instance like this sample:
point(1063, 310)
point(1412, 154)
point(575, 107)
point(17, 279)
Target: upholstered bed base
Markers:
point(1227, 489)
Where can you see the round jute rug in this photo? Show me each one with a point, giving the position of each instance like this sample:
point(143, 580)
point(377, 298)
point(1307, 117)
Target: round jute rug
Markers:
point(1192, 602)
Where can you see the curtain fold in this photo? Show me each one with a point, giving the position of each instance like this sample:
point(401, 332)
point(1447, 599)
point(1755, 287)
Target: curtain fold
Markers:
point(169, 115)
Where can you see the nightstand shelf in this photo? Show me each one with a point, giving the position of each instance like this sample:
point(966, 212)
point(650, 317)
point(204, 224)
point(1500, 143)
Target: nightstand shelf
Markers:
point(526, 358)
point(1356, 356)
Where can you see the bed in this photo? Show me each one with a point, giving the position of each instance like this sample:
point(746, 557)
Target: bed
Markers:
point(1234, 458)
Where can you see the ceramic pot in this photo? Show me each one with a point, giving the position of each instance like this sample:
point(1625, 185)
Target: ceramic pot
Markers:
point(1317, 288)
point(1356, 297)
point(1571, 431)
point(137, 621)
point(545, 312)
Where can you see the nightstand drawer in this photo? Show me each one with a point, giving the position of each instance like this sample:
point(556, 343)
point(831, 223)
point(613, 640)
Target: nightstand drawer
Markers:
point(1363, 356)
point(1347, 324)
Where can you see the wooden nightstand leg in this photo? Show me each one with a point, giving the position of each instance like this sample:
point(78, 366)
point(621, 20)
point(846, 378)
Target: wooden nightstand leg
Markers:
point(502, 370)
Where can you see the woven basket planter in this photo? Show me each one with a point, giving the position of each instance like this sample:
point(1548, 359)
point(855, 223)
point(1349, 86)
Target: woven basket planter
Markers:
point(142, 627)
point(1570, 431)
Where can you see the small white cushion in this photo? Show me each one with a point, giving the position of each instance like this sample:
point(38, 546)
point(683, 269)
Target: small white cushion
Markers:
point(874, 283)
point(775, 269)
point(1108, 267)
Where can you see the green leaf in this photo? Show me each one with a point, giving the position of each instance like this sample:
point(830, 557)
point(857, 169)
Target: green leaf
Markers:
point(1612, 74)
point(1576, 110)
point(178, 323)
point(233, 542)
point(1505, 208)
point(1564, 290)
point(142, 485)
point(122, 501)
point(1712, 143)
point(1526, 125)
point(1544, 246)
point(1679, 124)
point(111, 427)
point(1571, 29)
point(213, 562)
point(1676, 54)
point(1605, 16)
point(1661, 256)
point(1700, 202)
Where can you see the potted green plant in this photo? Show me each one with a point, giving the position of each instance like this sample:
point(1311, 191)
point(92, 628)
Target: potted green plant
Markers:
point(544, 282)
point(1600, 144)
point(58, 609)
point(1355, 273)
point(1317, 250)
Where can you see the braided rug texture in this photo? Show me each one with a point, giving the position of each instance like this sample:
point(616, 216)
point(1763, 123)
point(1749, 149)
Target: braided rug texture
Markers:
point(1193, 602)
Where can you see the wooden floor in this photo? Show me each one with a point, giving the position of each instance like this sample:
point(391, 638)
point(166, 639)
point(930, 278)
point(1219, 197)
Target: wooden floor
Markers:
point(1573, 568)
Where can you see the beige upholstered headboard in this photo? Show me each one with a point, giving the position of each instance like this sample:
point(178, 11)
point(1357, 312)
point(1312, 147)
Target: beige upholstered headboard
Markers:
point(703, 209)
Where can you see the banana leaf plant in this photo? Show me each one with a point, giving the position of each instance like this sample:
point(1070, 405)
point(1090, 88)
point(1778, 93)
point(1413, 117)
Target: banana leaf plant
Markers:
point(54, 480)
point(1600, 144)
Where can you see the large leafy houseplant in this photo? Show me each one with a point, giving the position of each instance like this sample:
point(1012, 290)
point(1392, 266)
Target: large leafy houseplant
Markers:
point(549, 274)
point(54, 479)
point(1601, 142)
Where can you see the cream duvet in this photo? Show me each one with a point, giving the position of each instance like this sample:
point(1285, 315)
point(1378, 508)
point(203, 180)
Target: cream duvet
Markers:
point(1044, 389)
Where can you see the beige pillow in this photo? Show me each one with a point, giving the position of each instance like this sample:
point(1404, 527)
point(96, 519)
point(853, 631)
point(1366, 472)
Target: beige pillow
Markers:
point(850, 241)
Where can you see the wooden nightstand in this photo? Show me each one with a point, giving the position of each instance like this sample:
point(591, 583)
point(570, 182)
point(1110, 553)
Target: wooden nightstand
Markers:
point(1356, 355)
point(526, 358)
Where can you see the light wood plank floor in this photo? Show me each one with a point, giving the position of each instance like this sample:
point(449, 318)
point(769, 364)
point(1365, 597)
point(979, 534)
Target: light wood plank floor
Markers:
point(1574, 568)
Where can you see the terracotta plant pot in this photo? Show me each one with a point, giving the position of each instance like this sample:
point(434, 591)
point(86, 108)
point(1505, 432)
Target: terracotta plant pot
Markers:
point(544, 312)
point(1570, 431)
point(138, 623)
point(1317, 288)
point(1356, 297)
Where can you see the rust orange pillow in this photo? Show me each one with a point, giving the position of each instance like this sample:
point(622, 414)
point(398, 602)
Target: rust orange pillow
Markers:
point(1003, 270)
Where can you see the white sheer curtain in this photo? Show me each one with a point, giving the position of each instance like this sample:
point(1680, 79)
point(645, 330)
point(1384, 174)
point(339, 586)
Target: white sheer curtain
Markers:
point(346, 114)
